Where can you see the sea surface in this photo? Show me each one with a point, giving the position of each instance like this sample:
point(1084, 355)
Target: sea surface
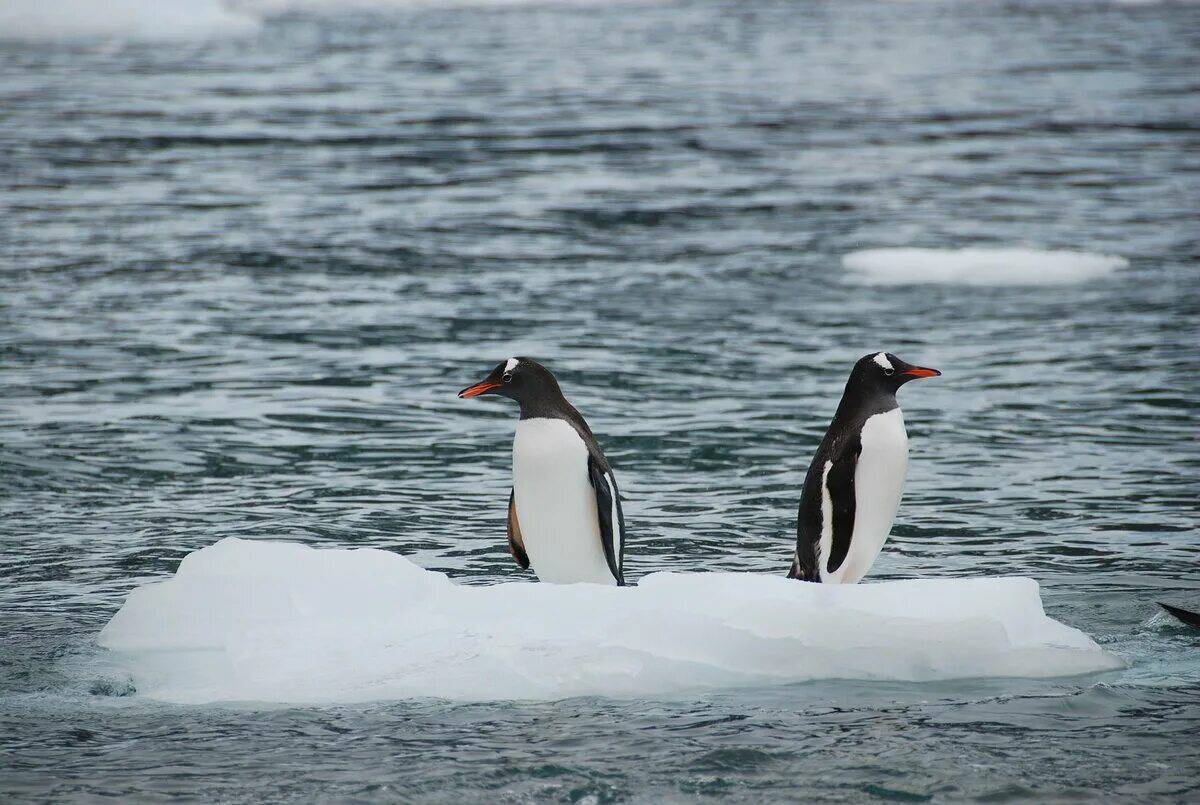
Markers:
point(243, 276)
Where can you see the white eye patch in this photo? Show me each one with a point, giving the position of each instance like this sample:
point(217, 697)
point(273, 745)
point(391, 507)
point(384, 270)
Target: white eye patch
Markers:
point(882, 360)
point(512, 364)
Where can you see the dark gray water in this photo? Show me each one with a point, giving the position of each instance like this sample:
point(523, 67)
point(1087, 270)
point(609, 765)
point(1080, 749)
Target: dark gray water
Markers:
point(241, 281)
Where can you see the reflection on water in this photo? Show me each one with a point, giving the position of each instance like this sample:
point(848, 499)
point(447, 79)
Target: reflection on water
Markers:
point(241, 282)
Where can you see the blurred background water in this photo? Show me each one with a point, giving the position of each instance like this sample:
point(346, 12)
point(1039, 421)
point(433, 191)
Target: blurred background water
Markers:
point(244, 273)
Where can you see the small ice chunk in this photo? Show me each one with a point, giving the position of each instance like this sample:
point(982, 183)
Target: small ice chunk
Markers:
point(979, 266)
point(123, 19)
point(281, 622)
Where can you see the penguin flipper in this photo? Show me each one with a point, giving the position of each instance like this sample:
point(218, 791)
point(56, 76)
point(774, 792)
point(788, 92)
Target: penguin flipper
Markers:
point(609, 516)
point(840, 483)
point(516, 544)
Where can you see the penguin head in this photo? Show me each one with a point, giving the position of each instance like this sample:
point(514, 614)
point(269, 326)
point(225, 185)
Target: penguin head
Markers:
point(519, 379)
point(885, 372)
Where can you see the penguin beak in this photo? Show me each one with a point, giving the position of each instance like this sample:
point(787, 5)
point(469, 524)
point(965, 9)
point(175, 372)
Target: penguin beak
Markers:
point(921, 371)
point(482, 387)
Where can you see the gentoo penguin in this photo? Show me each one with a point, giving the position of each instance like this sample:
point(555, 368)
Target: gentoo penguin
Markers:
point(564, 512)
point(854, 483)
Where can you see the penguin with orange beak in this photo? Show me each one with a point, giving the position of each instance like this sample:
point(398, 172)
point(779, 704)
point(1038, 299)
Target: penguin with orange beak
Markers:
point(564, 512)
point(856, 478)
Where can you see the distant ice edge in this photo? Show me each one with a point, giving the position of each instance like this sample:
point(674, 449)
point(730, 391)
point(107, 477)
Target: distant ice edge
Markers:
point(979, 266)
point(278, 622)
point(175, 20)
point(150, 20)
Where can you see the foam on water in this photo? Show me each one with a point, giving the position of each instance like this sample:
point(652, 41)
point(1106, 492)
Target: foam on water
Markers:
point(979, 266)
point(281, 622)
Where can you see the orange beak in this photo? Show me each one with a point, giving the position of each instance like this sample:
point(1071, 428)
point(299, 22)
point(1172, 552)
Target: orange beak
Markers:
point(920, 371)
point(482, 387)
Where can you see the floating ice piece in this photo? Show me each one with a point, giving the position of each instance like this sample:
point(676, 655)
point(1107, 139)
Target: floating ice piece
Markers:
point(122, 19)
point(282, 622)
point(154, 20)
point(979, 266)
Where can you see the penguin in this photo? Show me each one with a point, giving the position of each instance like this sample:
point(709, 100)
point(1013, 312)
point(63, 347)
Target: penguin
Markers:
point(564, 511)
point(853, 486)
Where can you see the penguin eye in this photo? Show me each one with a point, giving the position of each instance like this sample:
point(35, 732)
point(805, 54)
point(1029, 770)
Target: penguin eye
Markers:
point(889, 371)
point(507, 378)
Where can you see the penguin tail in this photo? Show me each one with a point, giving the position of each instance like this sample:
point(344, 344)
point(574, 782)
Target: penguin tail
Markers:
point(798, 573)
point(1183, 615)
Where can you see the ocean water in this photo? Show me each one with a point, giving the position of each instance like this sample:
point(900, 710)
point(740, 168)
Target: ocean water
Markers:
point(244, 273)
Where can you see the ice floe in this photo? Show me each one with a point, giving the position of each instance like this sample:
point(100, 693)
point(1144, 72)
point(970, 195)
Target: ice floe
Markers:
point(123, 19)
point(280, 622)
point(188, 19)
point(978, 266)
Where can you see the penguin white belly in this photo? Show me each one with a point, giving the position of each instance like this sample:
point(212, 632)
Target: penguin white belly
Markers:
point(878, 485)
point(556, 504)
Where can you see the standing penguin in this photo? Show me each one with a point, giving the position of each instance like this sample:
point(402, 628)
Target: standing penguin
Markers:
point(854, 483)
point(564, 513)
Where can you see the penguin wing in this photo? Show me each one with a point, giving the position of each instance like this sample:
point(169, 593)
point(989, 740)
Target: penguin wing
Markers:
point(608, 513)
point(516, 544)
point(839, 482)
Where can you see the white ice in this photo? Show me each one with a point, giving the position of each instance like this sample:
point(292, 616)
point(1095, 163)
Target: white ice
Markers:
point(280, 622)
point(122, 19)
point(183, 19)
point(979, 266)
